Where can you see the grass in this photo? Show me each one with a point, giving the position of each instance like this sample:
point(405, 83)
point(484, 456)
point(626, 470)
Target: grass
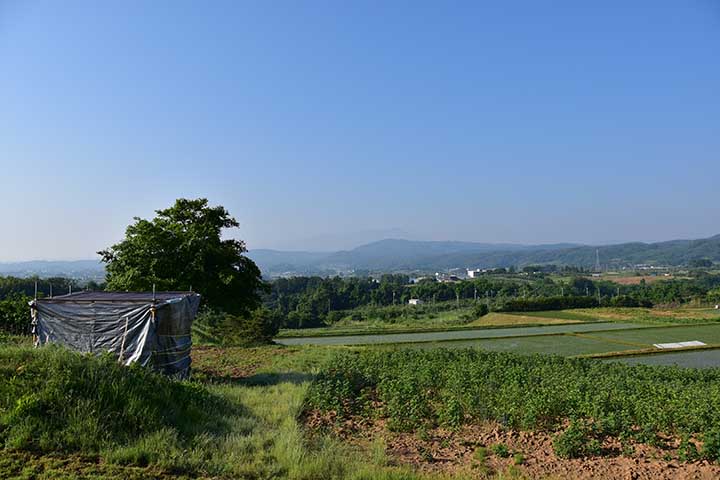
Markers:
point(654, 315)
point(55, 400)
point(67, 416)
point(247, 427)
point(529, 318)
point(567, 316)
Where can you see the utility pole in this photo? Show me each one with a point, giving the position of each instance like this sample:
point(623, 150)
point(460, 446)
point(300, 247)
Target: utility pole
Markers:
point(587, 292)
point(475, 295)
point(562, 291)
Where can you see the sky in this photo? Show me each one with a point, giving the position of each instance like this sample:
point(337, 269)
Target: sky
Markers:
point(323, 124)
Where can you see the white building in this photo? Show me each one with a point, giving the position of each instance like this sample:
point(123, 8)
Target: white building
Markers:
point(415, 301)
point(474, 273)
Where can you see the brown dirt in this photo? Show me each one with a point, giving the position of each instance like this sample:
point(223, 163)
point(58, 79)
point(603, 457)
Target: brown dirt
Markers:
point(443, 451)
point(636, 280)
point(231, 364)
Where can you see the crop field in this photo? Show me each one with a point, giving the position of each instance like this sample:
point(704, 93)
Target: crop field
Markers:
point(555, 315)
point(527, 318)
point(566, 345)
point(449, 320)
point(465, 334)
point(637, 279)
point(646, 337)
point(591, 407)
point(686, 359)
point(652, 315)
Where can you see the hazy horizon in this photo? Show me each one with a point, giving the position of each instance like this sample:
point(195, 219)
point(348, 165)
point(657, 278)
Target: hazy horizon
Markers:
point(323, 126)
point(351, 246)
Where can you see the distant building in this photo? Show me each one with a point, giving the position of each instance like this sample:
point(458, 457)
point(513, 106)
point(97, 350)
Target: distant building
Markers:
point(446, 278)
point(415, 301)
point(474, 273)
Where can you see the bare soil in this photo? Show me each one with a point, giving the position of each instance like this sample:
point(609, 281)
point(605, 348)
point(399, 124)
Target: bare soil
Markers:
point(468, 452)
point(638, 279)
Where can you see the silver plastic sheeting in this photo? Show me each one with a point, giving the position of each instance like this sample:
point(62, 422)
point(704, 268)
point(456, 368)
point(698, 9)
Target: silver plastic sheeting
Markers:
point(150, 329)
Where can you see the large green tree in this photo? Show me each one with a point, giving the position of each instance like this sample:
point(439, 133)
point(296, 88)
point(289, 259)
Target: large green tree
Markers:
point(182, 248)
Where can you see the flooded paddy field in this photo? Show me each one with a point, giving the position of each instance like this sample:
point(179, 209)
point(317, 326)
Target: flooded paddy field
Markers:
point(457, 335)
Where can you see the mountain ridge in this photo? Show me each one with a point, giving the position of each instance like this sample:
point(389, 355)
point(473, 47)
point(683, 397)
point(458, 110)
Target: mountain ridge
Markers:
point(407, 255)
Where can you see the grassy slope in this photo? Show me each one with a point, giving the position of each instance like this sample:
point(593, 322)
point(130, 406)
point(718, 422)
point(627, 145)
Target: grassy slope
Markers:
point(261, 437)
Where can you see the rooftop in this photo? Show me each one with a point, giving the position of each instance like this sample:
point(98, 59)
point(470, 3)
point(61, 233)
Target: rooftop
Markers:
point(140, 297)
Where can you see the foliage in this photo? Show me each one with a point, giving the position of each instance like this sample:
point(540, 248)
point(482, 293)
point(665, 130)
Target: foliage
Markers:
point(182, 249)
point(417, 388)
point(15, 314)
point(257, 327)
point(501, 450)
point(45, 286)
point(711, 445)
point(254, 328)
point(549, 303)
point(577, 441)
point(480, 310)
point(310, 302)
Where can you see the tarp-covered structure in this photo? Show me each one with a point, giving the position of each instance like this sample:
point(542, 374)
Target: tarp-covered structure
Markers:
point(152, 329)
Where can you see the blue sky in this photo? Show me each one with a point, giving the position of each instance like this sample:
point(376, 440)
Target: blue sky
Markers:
point(321, 124)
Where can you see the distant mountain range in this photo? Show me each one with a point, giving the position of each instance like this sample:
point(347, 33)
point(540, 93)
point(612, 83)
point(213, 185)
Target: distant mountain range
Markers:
point(397, 255)
point(407, 255)
point(80, 269)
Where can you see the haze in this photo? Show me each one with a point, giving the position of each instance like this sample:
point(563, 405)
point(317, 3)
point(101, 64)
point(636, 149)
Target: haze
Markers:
point(322, 125)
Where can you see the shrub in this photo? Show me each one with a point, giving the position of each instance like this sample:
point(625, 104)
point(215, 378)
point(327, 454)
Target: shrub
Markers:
point(576, 441)
point(480, 310)
point(501, 450)
point(549, 303)
point(259, 327)
point(15, 314)
point(711, 445)
point(687, 451)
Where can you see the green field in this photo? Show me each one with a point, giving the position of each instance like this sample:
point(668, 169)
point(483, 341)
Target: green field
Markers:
point(566, 345)
point(709, 334)
point(687, 359)
point(465, 334)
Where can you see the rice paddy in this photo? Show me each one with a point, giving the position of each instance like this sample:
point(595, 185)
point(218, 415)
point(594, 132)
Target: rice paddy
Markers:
point(465, 334)
point(626, 340)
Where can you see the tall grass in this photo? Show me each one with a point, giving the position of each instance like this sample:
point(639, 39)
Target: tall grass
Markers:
point(54, 400)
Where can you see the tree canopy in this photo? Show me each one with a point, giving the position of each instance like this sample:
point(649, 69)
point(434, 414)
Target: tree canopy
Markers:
point(182, 249)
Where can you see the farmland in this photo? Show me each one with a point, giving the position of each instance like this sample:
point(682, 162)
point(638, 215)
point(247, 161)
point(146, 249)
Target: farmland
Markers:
point(420, 403)
point(302, 411)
